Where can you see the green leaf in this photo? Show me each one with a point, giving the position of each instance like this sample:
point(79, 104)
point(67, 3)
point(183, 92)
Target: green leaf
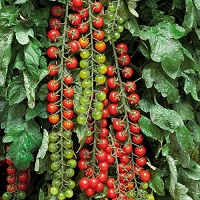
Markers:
point(190, 85)
point(190, 17)
point(132, 6)
point(80, 132)
point(20, 151)
point(42, 152)
point(181, 192)
point(22, 33)
point(20, 1)
point(156, 182)
point(150, 129)
point(19, 61)
point(6, 38)
point(16, 91)
point(194, 172)
point(2, 149)
point(197, 4)
point(145, 105)
point(102, 194)
point(31, 113)
point(132, 26)
point(145, 49)
point(195, 130)
point(154, 75)
point(43, 92)
point(184, 109)
point(41, 194)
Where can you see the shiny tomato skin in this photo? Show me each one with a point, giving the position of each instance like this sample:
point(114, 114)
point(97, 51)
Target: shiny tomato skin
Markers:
point(130, 86)
point(11, 179)
point(84, 153)
point(100, 46)
point(68, 80)
point(137, 139)
point(103, 133)
point(83, 27)
point(133, 99)
point(118, 124)
point(52, 108)
point(114, 96)
point(93, 182)
point(102, 143)
point(135, 128)
point(134, 115)
point(68, 92)
point(145, 176)
point(89, 191)
point(55, 23)
point(112, 82)
point(127, 148)
point(112, 109)
point(52, 52)
point(103, 166)
point(54, 119)
point(73, 34)
point(121, 136)
point(98, 34)
point(127, 72)
point(11, 188)
point(68, 103)
point(141, 161)
point(77, 3)
point(53, 85)
point(121, 48)
point(98, 21)
point(99, 187)
point(11, 170)
point(97, 7)
point(68, 114)
point(71, 63)
point(22, 186)
point(140, 151)
point(52, 97)
point(56, 11)
point(89, 139)
point(53, 69)
point(68, 124)
point(23, 177)
point(83, 12)
point(75, 19)
point(83, 183)
point(53, 35)
point(110, 70)
point(124, 59)
point(111, 193)
point(73, 46)
point(102, 177)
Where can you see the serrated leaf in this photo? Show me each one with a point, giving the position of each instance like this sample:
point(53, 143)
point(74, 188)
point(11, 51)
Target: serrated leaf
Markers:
point(6, 38)
point(31, 113)
point(154, 75)
point(102, 194)
point(156, 182)
point(184, 109)
point(16, 91)
point(150, 129)
point(22, 33)
point(42, 150)
point(181, 192)
point(132, 26)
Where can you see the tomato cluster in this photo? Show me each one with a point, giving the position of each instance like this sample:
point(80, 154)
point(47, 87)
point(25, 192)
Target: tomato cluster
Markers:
point(17, 181)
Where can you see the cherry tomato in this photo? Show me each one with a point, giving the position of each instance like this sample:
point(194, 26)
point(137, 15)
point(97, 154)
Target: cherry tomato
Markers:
point(68, 79)
point(141, 162)
point(121, 136)
point(103, 132)
point(8, 161)
point(105, 113)
point(68, 103)
point(52, 108)
point(140, 151)
point(110, 70)
point(100, 79)
point(11, 179)
point(53, 69)
point(97, 7)
point(6, 196)
point(68, 92)
point(99, 187)
point(52, 97)
point(110, 182)
point(52, 52)
point(102, 69)
point(98, 21)
point(77, 3)
point(127, 148)
point(73, 34)
point(68, 124)
point(54, 119)
point(137, 139)
point(55, 23)
point(112, 109)
point(130, 86)
point(133, 99)
point(75, 19)
point(111, 193)
point(118, 125)
point(98, 34)
point(134, 115)
point(84, 153)
point(73, 46)
point(89, 139)
point(100, 95)
point(103, 166)
point(84, 42)
point(74, 8)
point(124, 59)
point(101, 156)
point(68, 114)
point(23, 177)
point(89, 191)
point(93, 182)
point(53, 85)
point(83, 27)
point(112, 82)
point(114, 96)
point(56, 11)
point(127, 72)
point(110, 159)
point(135, 128)
point(102, 143)
point(145, 176)
point(71, 63)
point(11, 188)
point(100, 46)
point(84, 183)
point(53, 35)
point(122, 48)
point(11, 170)
point(100, 58)
point(22, 186)
point(83, 12)
point(84, 54)
point(102, 177)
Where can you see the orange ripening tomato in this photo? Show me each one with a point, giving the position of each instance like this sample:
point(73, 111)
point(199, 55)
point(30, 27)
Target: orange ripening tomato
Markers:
point(100, 46)
point(54, 119)
point(84, 42)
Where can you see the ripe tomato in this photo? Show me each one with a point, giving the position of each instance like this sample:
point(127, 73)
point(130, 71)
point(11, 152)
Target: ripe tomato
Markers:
point(52, 52)
point(68, 103)
point(112, 82)
point(74, 8)
point(135, 128)
point(68, 124)
point(68, 114)
point(118, 125)
point(8, 161)
point(22, 186)
point(11, 179)
point(53, 35)
point(56, 11)
point(103, 166)
point(141, 162)
point(89, 139)
point(98, 21)
point(130, 86)
point(53, 85)
point(103, 132)
point(83, 183)
point(110, 182)
point(100, 46)
point(137, 139)
point(55, 23)
point(75, 19)
point(101, 156)
point(53, 69)
point(71, 63)
point(52, 108)
point(84, 153)
point(23, 177)
point(130, 185)
point(112, 109)
point(111, 193)
point(73, 46)
point(127, 148)
point(133, 99)
point(99, 187)
point(145, 176)
point(102, 177)
point(11, 170)
point(110, 70)
point(83, 12)
point(98, 34)
point(89, 191)
point(105, 102)
point(54, 119)
point(124, 59)
point(68, 79)
point(122, 48)
point(83, 27)
point(140, 151)
point(52, 97)
point(114, 96)
point(93, 182)
point(110, 159)
point(127, 72)
point(105, 113)
point(102, 143)
point(73, 34)
point(97, 7)
point(84, 42)
point(121, 136)
point(77, 3)
point(68, 92)
point(134, 115)
point(11, 188)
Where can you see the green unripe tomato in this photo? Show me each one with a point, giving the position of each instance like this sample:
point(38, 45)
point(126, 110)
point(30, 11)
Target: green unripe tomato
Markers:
point(58, 174)
point(69, 173)
point(21, 195)
point(53, 147)
point(144, 185)
point(88, 133)
point(84, 100)
point(55, 166)
point(98, 105)
point(96, 114)
point(67, 134)
point(84, 54)
point(120, 20)
point(68, 153)
point(54, 190)
point(71, 184)
point(81, 119)
point(87, 93)
point(68, 143)
point(82, 109)
point(150, 197)
point(100, 58)
point(56, 183)
point(6, 196)
point(101, 95)
point(84, 73)
point(102, 69)
point(116, 35)
point(69, 193)
point(120, 29)
point(61, 196)
point(100, 79)
point(72, 163)
point(86, 83)
point(53, 137)
point(112, 7)
point(55, 156)
point(84, 64)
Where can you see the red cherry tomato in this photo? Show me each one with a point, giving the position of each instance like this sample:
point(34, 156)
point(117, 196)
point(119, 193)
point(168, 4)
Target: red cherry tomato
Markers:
point(141, 162)
point(52, 52)
point(68, 92)
point(23, 177)
point(68, 103)
point(118, 125)
point(53, 69)
point(56, 11)
point(53, 85)
point(124, 59)
point(73, 34)
point(137, 139)
point(98, 34)
point(145, 176)
point(83, 27)
point(114, 96)
point(77, 3)
point(83, 12)
point(130, 86)
point(140, 151)
point(75, 19)
point(133, 99)
point(73, 46)
point(112, 109)
point(55, 23)
point(134, 115)
point(97, 7)
point(127, 72)
point(52, 97)
point(53, 35)
point(122, 48)
point(71, 63)
point(98, 21)
point(52, 108)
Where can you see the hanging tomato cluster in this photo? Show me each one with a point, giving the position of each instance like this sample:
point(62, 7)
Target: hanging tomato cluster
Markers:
point(97, 97)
